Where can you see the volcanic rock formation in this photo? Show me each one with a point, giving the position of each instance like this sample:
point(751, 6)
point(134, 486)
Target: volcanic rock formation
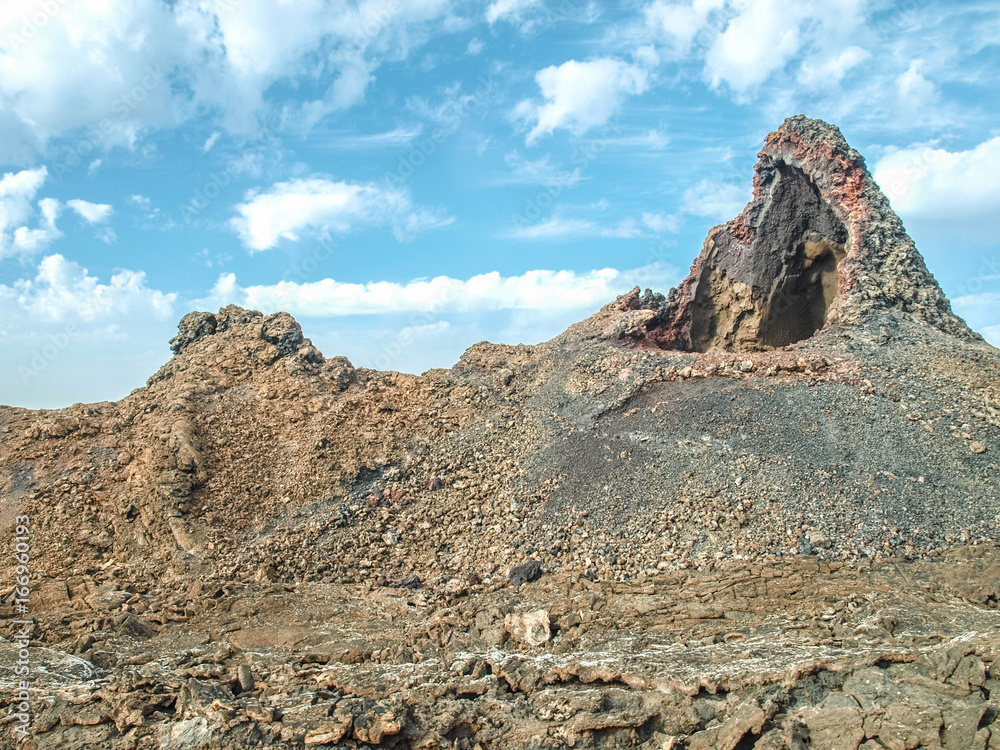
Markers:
point(758, 513)
point(818, 246)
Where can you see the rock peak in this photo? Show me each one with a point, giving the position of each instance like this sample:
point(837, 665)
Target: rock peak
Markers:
point(280, 329)
point(818, 246)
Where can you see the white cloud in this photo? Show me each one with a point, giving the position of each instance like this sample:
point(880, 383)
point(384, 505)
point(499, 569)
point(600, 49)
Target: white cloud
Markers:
point(534, 290)
point(719, 201)
point(107, 235)
point(257, 44)
point(960, 189)
point(101, 66)
point(33, 240)
point(916, 93)
point(624, 229)
point(761, 39)
point(825, 72)
point(140, 200)
point(554, 228)
point(992, 334)
point(92, 213)
point(386, 139)
point(679, 23)
point(982, 312)
point(250, 163)
point(63, 291)
point(557, 227)
point(17, 195)
point(660, 223)
point(541, 171)
point(211, 141)
point(116, 70)
point(513, 11)
point(93, 166)
point(424, 331)
point(323, 206)
point(474, 47)
point(743, 43)
point(579, 96)
point(454, 106)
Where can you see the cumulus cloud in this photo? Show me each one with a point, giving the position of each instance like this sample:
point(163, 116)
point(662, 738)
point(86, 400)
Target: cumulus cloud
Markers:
point(101, 66)
point(92, 213)
point(759, 40)
point(743, 43)
point(679, 23)
point(33, 240)
point(578, 96)
point(540, 290)
point(63, 291)
point(118, 69)
point(18, 212)
point(17, 209)
point(323, 206)
point(960, 189)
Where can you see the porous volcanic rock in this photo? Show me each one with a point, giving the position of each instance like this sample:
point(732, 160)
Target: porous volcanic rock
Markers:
point(817, 246)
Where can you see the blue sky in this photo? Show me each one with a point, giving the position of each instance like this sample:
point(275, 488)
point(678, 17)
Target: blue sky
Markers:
point(409, 178)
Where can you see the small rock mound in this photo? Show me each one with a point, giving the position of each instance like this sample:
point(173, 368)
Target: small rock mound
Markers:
point(280, 329)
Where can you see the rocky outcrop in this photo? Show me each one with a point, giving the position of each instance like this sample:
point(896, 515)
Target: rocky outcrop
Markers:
point(819, 246)
point(592, 542)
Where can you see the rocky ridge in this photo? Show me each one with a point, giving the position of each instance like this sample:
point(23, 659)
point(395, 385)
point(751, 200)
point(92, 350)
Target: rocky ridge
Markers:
point(581, 543)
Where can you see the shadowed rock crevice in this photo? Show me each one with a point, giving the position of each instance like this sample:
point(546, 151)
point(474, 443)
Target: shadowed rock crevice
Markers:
point(780, 287)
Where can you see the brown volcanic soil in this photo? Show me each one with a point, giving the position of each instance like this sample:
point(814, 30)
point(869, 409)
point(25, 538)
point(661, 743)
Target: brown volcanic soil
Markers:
point(762, 545)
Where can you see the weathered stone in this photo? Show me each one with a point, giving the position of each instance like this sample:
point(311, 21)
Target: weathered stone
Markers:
point(525, 573)
point(835, 724)
point(189, 734)
point(193, 326)
point(529, 628)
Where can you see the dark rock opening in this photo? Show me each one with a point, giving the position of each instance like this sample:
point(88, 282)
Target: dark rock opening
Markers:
point(778, 283)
